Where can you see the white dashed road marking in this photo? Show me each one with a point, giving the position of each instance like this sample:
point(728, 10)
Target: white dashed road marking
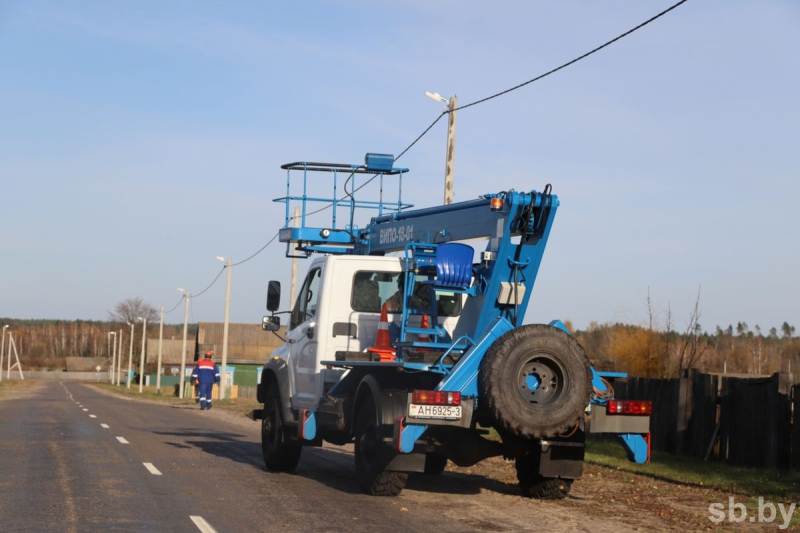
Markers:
point(85, 409)
point(202, 525)
point(104, 426)
point(92, 416)
point(122, 440)
point(152, 469)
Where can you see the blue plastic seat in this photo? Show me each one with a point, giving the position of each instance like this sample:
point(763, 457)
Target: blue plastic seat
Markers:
point(454, 265)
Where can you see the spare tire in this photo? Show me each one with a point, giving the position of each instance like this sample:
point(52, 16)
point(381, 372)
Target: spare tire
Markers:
point(536, 381)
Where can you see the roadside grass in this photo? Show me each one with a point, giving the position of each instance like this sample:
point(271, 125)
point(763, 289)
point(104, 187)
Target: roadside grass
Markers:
point(238, 406)
point(772, 484)
point(9, 387)
point(775, 486)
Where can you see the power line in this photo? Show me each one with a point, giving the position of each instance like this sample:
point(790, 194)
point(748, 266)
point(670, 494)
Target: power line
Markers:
point(539, 77)
point(568, 63)
point(176, 305)
point(255, 254)
point(421, 135)
point(210, 284)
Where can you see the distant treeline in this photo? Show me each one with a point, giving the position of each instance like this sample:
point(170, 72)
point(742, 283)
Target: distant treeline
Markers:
point(45, 343)
point(648, 352)
point(638, 350)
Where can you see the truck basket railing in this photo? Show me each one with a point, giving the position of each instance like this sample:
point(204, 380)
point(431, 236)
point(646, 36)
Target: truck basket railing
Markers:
point(335, 238)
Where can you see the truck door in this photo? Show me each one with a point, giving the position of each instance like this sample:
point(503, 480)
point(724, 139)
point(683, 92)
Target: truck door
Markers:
point(302, 341)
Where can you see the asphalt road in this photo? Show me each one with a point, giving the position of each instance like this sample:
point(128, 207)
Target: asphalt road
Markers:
point(75, 459)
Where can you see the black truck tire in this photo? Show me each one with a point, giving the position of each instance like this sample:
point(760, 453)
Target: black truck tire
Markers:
point(534, 485)
point(536, 381)
point(280, 454)
point(370, 455)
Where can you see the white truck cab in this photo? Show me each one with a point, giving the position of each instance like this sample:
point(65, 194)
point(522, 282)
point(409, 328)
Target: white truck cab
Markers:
point(337, 309)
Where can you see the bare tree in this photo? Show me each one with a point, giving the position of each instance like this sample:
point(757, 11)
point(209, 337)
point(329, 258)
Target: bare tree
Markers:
point(130, 309)
point(692, 346)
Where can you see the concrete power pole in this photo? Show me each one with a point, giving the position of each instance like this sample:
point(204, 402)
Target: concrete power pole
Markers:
point(223, 383)
point(160, 343)
point(114, 363)
point(130, 358)
point(450, 157)
point(119, 358)
point(3, 351)
point(293, 284)
point(141, 357)
point(183, 350)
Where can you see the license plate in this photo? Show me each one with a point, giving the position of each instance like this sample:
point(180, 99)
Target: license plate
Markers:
point(439, 412)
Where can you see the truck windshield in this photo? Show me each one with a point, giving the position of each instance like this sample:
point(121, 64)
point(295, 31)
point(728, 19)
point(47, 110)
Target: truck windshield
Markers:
point(373, 289)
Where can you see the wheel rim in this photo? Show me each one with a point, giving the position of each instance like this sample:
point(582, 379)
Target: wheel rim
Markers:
point(269, 429)
point(541, 380)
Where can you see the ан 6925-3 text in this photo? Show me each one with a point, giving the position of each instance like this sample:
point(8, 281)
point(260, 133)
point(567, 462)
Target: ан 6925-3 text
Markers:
point(443, 412)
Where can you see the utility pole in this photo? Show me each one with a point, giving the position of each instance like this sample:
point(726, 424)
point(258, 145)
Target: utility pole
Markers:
point(160, 343)
point(12, 344)
point(293, 284)
point(141, 357)
point(3, 351)
point(113, 355)
point(223, 382)
point(450, 155)
point(119, 357)
point(8, 365)
point(130, 357)
point(183, 351)
point(450, 158)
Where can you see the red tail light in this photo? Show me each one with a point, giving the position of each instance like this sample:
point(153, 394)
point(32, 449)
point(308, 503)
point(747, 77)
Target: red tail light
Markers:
point(435, 397)
point(629, 407)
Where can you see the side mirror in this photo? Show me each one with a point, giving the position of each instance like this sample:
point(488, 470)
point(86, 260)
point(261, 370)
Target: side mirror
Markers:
point(273, 296)
point(271, 323)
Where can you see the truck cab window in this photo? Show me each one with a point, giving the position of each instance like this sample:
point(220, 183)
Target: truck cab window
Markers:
point(373, 289)
point(305, 307)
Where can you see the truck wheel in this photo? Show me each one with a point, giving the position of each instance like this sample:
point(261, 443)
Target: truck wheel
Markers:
point(535, 486)
point(370, 456)
point(280, 455)
point(435, 464)
point(536, 381)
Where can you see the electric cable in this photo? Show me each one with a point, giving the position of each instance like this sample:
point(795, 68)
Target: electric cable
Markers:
point(568, 63)
point(258, 252)
point(176, 305)
point(539, 77)
point(210, 284)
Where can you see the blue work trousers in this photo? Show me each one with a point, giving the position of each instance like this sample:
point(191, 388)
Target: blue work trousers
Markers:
point(205, 394)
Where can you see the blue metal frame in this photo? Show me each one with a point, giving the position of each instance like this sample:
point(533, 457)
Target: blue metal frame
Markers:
point(333, 239)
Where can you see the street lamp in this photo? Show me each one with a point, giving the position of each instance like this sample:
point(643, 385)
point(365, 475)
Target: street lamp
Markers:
point(223, 382)
point(436, 97)
point(450, 154)
point(186, 295)
point(2, 353)
point(141, 357)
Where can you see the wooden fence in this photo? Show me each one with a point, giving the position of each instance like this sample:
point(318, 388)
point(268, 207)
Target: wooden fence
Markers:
point(743, 421)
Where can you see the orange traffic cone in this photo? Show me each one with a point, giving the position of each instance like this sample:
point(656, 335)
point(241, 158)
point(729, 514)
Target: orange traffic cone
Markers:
point(424, 338)
point(383, 348)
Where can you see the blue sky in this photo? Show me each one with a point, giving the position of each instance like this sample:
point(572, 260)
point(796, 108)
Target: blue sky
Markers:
point(138, 140)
